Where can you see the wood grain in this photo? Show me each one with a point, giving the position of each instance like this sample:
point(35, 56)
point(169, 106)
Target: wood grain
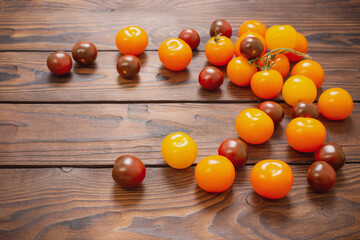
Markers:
point(86, 204)
point(24, 77)
point(95, 135)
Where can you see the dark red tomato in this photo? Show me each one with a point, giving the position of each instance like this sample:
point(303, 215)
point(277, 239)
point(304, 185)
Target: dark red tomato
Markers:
point(128, 171)
point(251, 47)
point(211, 78)
point(128, 66)
point(304, 109)
point(321, 176)
point(331, 153)
point(274, 110)
point(84, 53)
point(220, 26)
point(59, 63)
point(235, 150)
point(191, 37)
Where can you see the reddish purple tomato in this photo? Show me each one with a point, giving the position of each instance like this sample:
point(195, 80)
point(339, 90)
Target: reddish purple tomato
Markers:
point(274, 110)
point(251, 47)
point(128, 66)
point(220, 26)
point(331, 153)
point(321, 176)
point(84, 53)
point(128, 171)
point(235, 150)
point(59, 63)
point(211, 78)
point(303, 109)
point(191, 37)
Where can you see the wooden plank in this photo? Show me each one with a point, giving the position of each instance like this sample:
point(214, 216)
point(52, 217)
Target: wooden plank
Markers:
point(46, 25)
point(86, 204)
point(24, 76)
point(95, 135)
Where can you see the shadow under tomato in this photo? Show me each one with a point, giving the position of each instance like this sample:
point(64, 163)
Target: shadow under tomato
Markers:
point(178, 178)
point(209, 95)
point(52, 78)
point(85, 69)
point(128, 196)
point(128, 82)
point(172, 77)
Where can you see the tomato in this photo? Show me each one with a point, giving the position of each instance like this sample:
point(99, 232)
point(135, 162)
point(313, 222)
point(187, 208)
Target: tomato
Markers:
point(251, 48)
point(266, 84)
point(191, 37)
point(175, 54)
point(335, 104)
point(220, 26)
point(332, 153)
point(128, 66)
point(59, 63)
point(235, 150)
point(219, 50)
point(128, 171)
point(254, 126)
point(305, 134)
point(246, 35)
point(84, 53)
point(179, 150)
point(215, 174)
point(274, 110)
point(310, 69)
point(300, 46)
point(303, 109)
point(299, 89)
point(252, 26)
point(271, 178)
point(211, 78)
point(240, 72)
point(281, 36)
point(131, 40)
point(321, 176)
point(280, 64)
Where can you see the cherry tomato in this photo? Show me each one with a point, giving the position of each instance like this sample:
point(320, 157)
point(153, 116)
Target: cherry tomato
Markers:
point(281, 36)
point(179, 150)
point(335, 104)
point(59, 63)
point(220, 26)
point(332, 153)
point(191, 37)
point(271, 178)
point(303, 109)
point(321, 176)
point(211, 78)
point(246, 35)
point(128, 171)
point(254, 126)
point(175, 54)
point(219, 50)
point(235, 150)
point(301, 46)
point(299, 89)
point(274, 110)
point(280, 64)
point(128, 66)
point(215, 174)
point(310, 69)
point(239, 71)
point(252, 26)
point(84, 53)
point(305, 134)
point(266, 84)
point(251, 47)
point(132, 40)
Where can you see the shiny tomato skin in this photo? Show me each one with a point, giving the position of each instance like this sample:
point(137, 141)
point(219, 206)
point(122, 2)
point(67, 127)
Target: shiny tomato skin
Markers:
point(303, 109)
point(219, 50)
point(321, 176)
point(335, 104)
point(310, 69)
point(191, 37)
point(128, 171)
point(266, 84)
point(274, 110)
point(211, 78)
point(175, 54)
point(301, 46)
point(220, 26)
point(235, 150)
point(59, 63)
point(299, 88)
point(240, 72)
point(128, 66)
point(252, 26)
point(332, 153)
point(84, 53)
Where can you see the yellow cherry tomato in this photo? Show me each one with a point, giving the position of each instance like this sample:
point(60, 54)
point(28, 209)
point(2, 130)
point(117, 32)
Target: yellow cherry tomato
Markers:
point(219, 50)
point(335, 104)
point(252, 26)
point(299, 89)
point(131, 40)
point(266, 84)
point(281, 36)
point(311, 69)
point(175, 54)
point(301, 46)
point(240, 72)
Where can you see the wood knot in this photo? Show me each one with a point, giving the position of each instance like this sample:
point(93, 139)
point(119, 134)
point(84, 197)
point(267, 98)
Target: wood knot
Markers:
point(253, 199)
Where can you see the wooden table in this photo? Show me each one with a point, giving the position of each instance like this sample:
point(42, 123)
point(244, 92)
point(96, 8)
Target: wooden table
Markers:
point(59, 136)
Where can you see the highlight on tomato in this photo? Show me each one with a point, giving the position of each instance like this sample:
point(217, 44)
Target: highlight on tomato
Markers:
point(219, 50)
point(240, 72)
point(175, 54)
point(132, 40)
point(335, 104)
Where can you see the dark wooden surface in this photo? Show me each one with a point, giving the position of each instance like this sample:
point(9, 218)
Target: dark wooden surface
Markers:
point(59, 136)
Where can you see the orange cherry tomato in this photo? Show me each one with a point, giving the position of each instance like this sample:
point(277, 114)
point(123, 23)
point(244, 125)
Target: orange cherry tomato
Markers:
point(175, 54)
point(215, 173)
point(266, 84)
point(219, 50)
point(246, 35)
point(301, 46)
point(271, 178)
point(281, 64)
point(280, 36)
point(335, 104)
point(311, 69)
point(131, 40)
point(239, 71)
point(305, 134)
point(179, 150)
point(254, 126)
point(299, 88)
point(252, 26)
